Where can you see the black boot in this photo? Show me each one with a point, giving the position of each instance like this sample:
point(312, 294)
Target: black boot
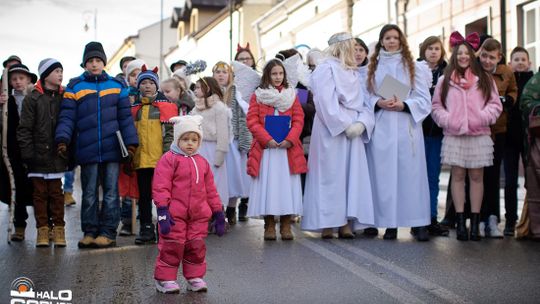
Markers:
point(437, 229)
point(461, 229)
point(475, 232)
point(146, 235)
point(230, 213)
point(420, 233)
point(242, 209)
point(390, 234)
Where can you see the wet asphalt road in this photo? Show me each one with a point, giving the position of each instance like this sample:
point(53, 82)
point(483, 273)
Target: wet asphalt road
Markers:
point(242, 268)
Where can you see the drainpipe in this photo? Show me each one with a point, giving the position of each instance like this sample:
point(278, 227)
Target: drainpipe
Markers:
point(405, 4)
point(350, 4)
point(231, 10)
point(503, 26)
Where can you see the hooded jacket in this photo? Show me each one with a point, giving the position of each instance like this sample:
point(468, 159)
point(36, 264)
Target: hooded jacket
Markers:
point(186, 185)
point(155, 132)
point(37, 128)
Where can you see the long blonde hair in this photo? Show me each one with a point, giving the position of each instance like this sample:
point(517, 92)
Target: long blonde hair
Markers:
point(227, 91)
point(344, 51)
point(407, 58)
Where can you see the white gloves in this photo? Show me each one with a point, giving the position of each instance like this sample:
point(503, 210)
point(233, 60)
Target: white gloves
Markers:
point(220, 158)
point(354, 130)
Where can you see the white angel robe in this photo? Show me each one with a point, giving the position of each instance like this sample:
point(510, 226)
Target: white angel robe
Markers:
point(396, 153)
point(338, 188)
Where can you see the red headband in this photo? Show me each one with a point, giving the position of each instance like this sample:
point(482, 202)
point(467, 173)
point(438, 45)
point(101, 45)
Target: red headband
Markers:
point(473, 39)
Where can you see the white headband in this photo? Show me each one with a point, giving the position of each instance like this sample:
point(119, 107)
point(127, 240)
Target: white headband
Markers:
point(339, 38)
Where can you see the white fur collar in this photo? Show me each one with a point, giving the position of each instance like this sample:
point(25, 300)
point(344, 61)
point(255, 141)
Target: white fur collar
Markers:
point(272, 97)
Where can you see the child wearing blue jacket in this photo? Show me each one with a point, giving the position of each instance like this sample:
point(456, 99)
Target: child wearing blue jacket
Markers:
point(95, 107)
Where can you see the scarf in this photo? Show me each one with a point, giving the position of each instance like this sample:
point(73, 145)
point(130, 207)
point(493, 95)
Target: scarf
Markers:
point(211, 101)
point(465, 82)
point(176, 149)
point(274, 98)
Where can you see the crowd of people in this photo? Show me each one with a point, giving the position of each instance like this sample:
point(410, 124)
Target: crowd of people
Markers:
point(345, 142)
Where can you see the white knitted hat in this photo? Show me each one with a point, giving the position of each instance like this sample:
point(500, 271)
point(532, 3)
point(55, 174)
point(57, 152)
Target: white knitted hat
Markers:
point(188, 123)
point(134, 64)
point(181, 73)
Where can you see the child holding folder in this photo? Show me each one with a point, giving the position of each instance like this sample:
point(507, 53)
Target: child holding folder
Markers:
point(276, 158)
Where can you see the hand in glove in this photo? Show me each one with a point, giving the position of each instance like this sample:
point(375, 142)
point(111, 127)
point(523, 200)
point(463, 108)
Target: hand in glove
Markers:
point(220, 158)
point(354, 130)
point(219, 223)
point(61, 150)
point(165, 220)
point(131, 154)
point(128, 168)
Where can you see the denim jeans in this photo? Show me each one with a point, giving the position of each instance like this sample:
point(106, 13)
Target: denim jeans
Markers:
point(69, 177)
point(125, 211)
point(433, 146)
point(96, 221)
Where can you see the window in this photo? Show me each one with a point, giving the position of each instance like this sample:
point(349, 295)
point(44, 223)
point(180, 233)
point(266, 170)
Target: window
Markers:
point(531, 35)
point(181, 31)
point(480, 26)
point(194, 21)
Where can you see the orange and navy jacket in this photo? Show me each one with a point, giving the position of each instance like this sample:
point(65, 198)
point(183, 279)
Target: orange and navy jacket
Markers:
point(94, 108)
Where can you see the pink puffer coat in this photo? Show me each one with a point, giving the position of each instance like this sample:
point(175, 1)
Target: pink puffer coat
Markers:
point(186, 185)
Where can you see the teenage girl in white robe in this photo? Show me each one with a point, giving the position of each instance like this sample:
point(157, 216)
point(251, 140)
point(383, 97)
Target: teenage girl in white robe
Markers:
point(396, 151)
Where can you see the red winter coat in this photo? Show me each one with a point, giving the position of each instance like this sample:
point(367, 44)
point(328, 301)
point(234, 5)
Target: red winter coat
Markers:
point(255, 123)
point(186, 185)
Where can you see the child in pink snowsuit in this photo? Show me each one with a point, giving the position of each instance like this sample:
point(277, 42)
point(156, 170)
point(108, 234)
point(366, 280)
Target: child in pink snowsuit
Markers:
point(186, 198)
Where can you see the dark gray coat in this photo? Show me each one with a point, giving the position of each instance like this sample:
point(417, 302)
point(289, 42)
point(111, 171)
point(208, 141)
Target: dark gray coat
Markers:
point(37, 129)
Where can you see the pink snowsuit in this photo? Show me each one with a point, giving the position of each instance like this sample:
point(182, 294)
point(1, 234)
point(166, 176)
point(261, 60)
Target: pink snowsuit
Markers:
point(186, 185)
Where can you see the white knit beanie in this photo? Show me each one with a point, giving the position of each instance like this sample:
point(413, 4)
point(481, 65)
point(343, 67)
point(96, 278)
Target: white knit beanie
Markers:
point(133, 65)
point(181, 73)
point(188, 123)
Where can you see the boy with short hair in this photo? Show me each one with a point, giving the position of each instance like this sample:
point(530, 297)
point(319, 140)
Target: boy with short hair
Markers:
point(36, 140)
point(96, 107)
point(20, 81)
point(514, 148)
point(490, 55)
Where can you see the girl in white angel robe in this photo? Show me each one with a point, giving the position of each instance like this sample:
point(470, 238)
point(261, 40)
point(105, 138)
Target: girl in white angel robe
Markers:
point(338, 188)
point(396, 154)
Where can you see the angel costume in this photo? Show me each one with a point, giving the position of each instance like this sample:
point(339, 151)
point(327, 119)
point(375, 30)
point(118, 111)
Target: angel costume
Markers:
point(338, 187)
point(238, 179)
point(396, 156)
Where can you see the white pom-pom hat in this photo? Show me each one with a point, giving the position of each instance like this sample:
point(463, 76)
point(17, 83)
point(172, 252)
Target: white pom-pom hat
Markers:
point(188, 123)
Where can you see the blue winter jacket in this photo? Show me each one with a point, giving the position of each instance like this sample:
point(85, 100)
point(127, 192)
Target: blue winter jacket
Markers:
point(93, 109)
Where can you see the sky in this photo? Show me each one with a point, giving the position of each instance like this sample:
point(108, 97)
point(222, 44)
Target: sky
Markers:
point(39, 29)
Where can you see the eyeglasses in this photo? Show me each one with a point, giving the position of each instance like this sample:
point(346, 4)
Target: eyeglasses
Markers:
point(244, 58)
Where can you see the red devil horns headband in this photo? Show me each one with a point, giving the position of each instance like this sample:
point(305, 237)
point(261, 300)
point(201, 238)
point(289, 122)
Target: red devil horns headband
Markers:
point(239, 48)
point(472, 39)
point(144, 69)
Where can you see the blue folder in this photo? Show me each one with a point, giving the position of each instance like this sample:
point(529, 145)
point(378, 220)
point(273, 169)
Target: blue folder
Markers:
point(277, 126)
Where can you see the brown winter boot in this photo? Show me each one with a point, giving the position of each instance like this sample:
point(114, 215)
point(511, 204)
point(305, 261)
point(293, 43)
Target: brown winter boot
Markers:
point(285, 228)
point(269, 228)
point(59, 236)
point(42, 237)
point(327, 233)
point(18, 236)
point(68, 199)
point(345, 232)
